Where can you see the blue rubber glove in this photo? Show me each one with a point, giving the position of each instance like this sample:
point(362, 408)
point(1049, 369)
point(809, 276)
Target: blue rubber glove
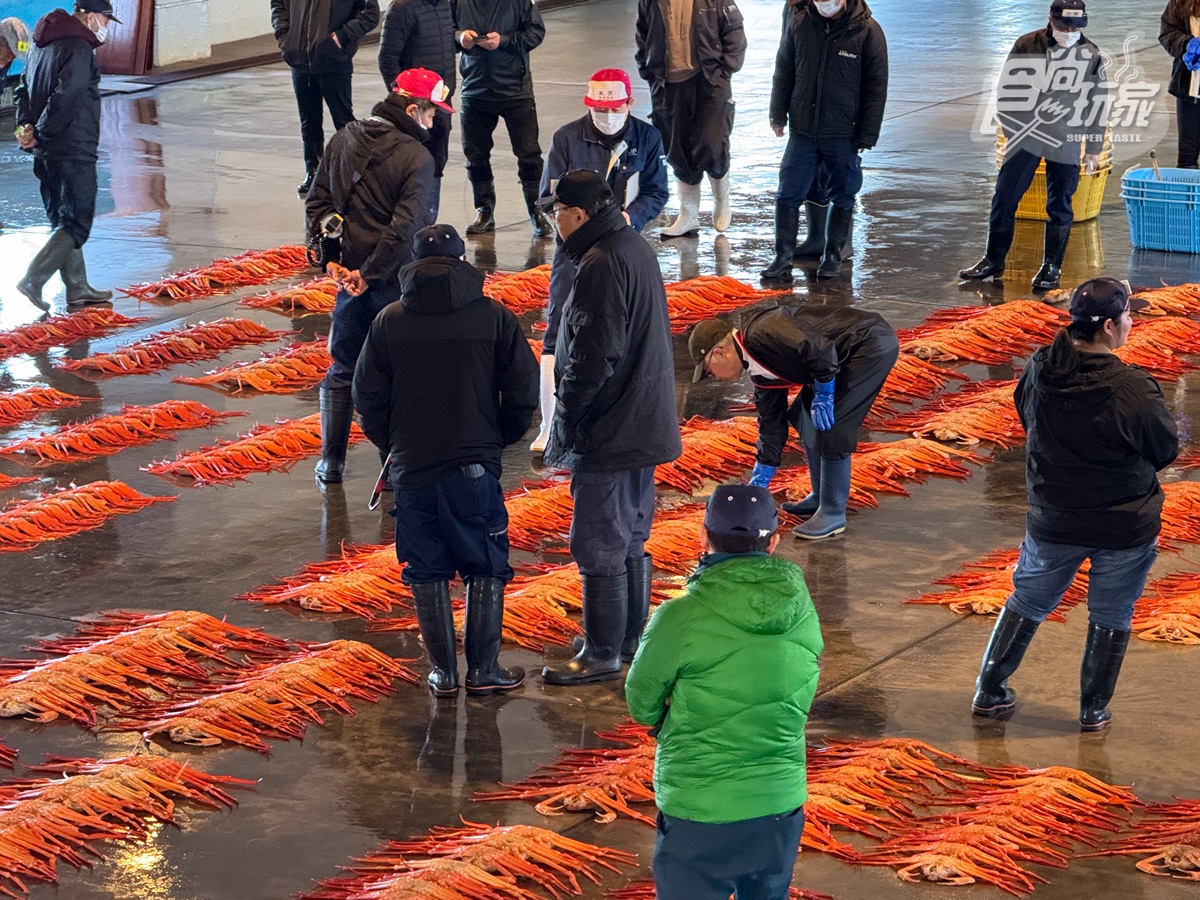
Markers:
point(762, 475)
point(822, 405)
point(1191, 56)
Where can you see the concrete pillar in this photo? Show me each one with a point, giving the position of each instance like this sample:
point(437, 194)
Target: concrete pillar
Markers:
point(182, 31)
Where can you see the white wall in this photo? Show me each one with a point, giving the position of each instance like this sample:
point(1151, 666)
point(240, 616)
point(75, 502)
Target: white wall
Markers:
point(187, 29)
point(233, 20)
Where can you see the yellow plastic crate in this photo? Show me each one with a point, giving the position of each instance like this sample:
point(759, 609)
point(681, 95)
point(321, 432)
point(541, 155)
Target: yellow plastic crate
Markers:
point(1086, 202)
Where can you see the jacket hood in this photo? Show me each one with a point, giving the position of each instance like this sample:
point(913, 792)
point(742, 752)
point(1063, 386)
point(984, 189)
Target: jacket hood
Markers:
point(392, 110)
point(438, 285)
point(1091, 385)
point(758, 594)
point(59, 24)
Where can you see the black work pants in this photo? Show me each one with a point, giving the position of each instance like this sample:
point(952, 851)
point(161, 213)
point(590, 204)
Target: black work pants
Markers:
point(68, 190)
point(695, 118)
point(455, 525)
point(611, 519)
point(479, 119)
point(331, 88)
point(1187, 114)
point(1014, 179)
point(748, 860)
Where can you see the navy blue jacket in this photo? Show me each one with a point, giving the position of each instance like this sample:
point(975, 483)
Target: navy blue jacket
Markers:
point(640, 171)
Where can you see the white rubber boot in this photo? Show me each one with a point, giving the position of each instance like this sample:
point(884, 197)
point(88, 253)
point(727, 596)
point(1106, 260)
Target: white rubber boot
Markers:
point(722, 213)
point(687, 223)
point(547, 404)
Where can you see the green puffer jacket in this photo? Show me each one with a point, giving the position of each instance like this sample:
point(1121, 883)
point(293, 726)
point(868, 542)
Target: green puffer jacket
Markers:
point(733, 665)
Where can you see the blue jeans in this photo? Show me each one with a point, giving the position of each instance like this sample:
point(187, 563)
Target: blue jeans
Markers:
point(806, 160)
point(750, 860)
point(457, 524)
point(1045, 571)
point(1014, 179)
point(349, 327)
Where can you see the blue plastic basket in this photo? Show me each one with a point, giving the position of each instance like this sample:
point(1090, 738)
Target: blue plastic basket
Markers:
point(1163, 214)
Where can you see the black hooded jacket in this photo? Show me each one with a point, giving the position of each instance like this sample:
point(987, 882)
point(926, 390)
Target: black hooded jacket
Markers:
point(1096, 439)
point(616, 373)
point(304, 29)
point(446, 377)
point(418, 34)
point(1175, 33)
point(59, 93)
point(831, 75)
point(378, 175)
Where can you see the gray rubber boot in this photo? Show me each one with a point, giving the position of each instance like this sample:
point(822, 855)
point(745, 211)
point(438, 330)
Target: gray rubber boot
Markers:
point(50, 259)
point(74, 276)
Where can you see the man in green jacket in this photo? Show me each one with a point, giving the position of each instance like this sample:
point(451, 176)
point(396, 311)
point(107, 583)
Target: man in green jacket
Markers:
point(727, 673)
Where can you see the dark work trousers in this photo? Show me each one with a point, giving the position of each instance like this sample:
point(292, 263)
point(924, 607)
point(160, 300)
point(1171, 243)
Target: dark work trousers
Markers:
point(611, 521)
point(1014, 179)
point(562, 273)
point(479, 118)
point(750, 860)
point(695, 118)
point(807, 161)
point(349, 325)
point(69, 194)
point(438, 146)
point(457, 524)
point(334, 89)
point(855, 388)
point(1187, 114)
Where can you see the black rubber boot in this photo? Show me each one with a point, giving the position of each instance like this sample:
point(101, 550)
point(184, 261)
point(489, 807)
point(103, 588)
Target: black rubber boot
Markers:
point(484, 193)
point(810, 504)
point(999, 241)
point(605, 613)
point(542, 226)
point(787, 224)
point(481, 639)
point(302, 187)
point(1054, 249)
point(337, 414)
point(813, 246)
point(74, 276)
point(50, 259)
point(1102, 658)
point(841, 222)
point(436, 621)
point(639, 572)
point(312, 159)
point(994, 699)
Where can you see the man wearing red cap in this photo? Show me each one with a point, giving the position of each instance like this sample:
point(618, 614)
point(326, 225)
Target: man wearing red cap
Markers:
point(628, 154)
point(687, 51)
point(374, 185)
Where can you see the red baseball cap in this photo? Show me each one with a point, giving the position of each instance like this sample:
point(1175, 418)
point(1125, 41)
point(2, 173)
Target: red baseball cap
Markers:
point(422, 84)
point(608, 89)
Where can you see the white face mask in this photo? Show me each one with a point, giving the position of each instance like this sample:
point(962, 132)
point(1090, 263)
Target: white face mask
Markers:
point(609, 121)
point(101, 33)
point(1065, 38)
point(829, 8)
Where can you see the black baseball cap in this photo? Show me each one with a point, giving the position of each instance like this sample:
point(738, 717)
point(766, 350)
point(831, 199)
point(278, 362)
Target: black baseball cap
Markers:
point(741, 509)
point(438, 240)
point(1069, 13)
point(1103, 298)
point(104, 7)
point(582, 188)
point(704, 337)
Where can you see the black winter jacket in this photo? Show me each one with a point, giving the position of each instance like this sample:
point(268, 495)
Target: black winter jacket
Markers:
point(803, 344)
point(446, 377)
point(831, 75)
point(378, 175)
point(303, 29)
point(1174, 35)
point(615, 370)
point(503, 73)
point(418, 34)
point(1085, 68)
point(720, 40)
point(1095, 440)
point(59, 93)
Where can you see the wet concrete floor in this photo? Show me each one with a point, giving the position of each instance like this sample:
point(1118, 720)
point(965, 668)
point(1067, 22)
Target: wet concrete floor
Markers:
point(207, 168)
